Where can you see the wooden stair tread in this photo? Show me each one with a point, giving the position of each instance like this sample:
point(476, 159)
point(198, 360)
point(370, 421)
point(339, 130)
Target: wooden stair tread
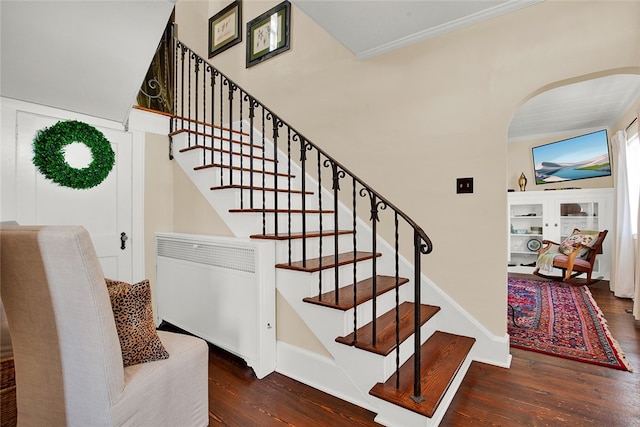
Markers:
point(242, 169)
point(246, 187)
point(386, 329)
point(313, 265)
point(281, 211)
point(364, 292)
point(441, 355)
point(298, 235)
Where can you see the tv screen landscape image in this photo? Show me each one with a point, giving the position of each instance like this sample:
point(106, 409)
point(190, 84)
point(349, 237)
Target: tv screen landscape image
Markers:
point(581, 157)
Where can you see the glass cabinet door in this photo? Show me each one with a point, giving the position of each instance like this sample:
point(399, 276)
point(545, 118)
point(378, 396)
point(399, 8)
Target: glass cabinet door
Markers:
point(580, 215)
point(525, 234)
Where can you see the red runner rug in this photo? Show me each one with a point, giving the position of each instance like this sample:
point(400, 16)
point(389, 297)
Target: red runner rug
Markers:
point(561, 320)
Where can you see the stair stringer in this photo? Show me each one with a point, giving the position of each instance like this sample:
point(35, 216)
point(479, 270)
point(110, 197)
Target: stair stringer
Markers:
point(348, 361)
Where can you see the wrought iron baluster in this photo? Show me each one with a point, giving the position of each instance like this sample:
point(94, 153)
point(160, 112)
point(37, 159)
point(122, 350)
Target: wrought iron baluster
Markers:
point(419, 249)
point(355, 264)
point(207, 67)
point(376, 206)
point(223, 81)
point(212, 85)
point(320, 229)
point(397, 277)
point(264, 191)
point(232, 89)
point(252, 110)
point(336, 174)
point(241, 150)
point(173, 121)
point(196, 72)
point(189, 101)
point(304, 147)
point(183, 51)
point(289, 191)
point(276, 122)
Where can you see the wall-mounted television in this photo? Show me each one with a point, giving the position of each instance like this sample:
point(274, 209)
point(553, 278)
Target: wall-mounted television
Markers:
point(580, 157)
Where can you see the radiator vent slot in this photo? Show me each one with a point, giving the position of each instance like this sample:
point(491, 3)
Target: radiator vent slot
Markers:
point(223, 256)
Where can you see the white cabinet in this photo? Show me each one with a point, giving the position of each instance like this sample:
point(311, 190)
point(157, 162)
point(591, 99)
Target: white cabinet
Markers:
point(552, 215)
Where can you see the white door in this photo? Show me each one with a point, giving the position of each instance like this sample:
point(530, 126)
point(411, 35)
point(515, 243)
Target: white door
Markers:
point(105, 210)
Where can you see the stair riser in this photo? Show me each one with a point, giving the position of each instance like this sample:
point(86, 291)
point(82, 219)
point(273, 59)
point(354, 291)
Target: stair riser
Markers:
point(406, 350)
point(202, 130)
point(255, 162)
point(384, 303)
point(345, 277)
point(210, 178)
point(251, 223)
point(201, 135)
point(260, 180)
point(308, 282)
point(345, 243)
point(312, 221)
point(238, 144)
point(270, 199)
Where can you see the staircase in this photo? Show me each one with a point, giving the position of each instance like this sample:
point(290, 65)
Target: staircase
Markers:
point(359, 296)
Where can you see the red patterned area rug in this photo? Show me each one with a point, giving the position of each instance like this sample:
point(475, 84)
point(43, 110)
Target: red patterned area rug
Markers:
point(561, 320)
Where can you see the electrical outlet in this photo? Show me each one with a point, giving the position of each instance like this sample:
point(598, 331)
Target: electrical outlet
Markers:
point(464, 185)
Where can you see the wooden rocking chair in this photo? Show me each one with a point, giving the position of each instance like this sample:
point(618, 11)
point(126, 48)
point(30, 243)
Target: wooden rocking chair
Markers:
point(579, 261)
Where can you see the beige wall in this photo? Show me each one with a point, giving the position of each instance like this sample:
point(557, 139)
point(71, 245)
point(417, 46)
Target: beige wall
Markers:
point(172, 202)
point(411, 121)
point(158, 197)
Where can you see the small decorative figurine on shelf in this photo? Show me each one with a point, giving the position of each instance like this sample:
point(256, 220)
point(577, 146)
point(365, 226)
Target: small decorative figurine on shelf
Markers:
point(522, 181)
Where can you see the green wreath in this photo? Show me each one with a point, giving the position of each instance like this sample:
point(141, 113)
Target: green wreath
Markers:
point(49, 155)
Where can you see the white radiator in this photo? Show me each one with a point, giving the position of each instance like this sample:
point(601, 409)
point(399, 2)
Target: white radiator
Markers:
point(222, 290)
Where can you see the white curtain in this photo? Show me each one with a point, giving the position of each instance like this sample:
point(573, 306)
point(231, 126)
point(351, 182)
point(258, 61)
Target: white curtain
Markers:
point(623, 248)
point(636, 297)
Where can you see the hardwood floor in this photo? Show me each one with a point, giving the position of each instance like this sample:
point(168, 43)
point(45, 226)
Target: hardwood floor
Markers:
point(237, 398)
point(542, 390)
point(538, 390)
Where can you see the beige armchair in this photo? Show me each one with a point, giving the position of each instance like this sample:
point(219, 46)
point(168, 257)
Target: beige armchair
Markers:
point(68, 361)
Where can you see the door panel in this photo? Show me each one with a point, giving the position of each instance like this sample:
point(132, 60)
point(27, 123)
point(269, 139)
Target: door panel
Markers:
point(105, 210)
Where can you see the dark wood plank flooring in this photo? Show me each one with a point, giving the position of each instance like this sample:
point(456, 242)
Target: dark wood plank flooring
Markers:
point(538, 390)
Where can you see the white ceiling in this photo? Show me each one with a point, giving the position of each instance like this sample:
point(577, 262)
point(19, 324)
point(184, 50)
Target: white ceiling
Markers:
point(372, 27)
point(588, 105)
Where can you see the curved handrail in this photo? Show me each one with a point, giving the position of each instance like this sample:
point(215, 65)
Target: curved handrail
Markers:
point(223, 100)
point(426, 248)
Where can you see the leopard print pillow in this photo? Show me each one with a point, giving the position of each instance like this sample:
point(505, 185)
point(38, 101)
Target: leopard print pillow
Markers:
point(133, 313)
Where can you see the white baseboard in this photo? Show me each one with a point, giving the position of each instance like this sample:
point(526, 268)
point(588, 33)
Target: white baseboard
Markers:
point(319, 372)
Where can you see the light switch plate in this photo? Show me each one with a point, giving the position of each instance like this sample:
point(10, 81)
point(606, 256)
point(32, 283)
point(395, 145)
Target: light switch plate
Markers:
point(464, 185)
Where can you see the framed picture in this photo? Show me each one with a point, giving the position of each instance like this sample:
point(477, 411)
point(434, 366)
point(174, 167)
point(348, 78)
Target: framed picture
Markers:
point(225, 28)
point(268, 34)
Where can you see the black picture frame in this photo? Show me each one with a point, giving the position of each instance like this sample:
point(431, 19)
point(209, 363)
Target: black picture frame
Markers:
point(225, 28)
point(263, 41)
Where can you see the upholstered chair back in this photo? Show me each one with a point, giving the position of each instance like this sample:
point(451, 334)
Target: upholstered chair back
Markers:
point(63, 333)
